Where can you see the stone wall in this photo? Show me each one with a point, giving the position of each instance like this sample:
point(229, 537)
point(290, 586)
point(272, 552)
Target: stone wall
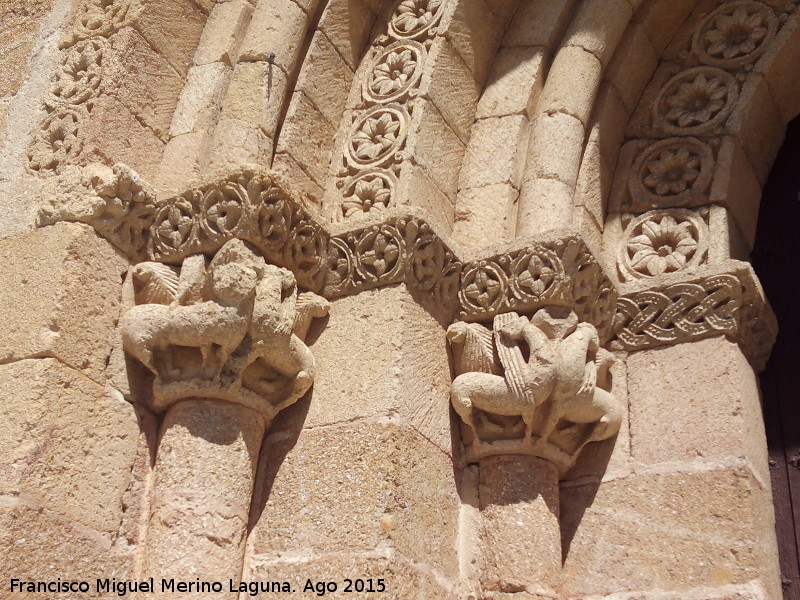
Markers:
point(450, 294)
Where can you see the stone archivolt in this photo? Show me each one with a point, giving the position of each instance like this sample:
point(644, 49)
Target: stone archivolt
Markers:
point(75, 88)
point(373, 149)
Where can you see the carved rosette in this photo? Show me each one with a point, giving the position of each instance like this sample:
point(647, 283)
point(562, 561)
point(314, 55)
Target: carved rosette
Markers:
point(538, 387)
point(694, 96)
point(373, 148)
point(664, 241)
point(231, 329)
point(672, 172)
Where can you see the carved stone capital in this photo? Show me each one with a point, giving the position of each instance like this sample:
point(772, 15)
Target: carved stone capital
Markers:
point(231, 329)
point(725, 299)
point(537, 387)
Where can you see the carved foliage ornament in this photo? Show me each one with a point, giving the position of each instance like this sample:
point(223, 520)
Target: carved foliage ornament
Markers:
point(373, 148)
point(663, 241)
point(70, 99)
point(255, 205)
point(403, 249)
point(735, 34)
point(672, 172)
point(696, 100)
point(538, 386)
point(562, 272)
point(699, 99)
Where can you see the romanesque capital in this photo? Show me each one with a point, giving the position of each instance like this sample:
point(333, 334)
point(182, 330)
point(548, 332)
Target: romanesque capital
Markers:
point(536, 386)
point(232, 329)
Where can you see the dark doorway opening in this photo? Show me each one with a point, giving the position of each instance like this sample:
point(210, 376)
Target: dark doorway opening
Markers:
point(775, 259)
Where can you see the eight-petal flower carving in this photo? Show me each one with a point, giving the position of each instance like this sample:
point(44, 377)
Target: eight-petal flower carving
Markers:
point(735, 35)
point(673, 172)
point(697, 101)
point(663, 245)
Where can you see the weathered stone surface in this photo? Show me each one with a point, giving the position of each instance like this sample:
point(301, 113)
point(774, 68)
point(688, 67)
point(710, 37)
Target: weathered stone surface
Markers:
point(485, 215)
point(375, 485)
point(70, 446)
point(59, 296)
point(519, 504)
point(401, 578)
point(142, 80)
point(710, 523)
point(199, 104)
point(42, 546)
point(203, 483)
point(222, 32)
point(514, 84)
point(277, 27)
point(396, 363)
point(173, 29)
point(495, 152)
point(688, 408)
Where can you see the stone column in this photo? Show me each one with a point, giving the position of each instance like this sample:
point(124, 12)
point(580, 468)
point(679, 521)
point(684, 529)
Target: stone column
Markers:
point(519, 502)
point(204, 473)
point(223, 345)
point(531, 393)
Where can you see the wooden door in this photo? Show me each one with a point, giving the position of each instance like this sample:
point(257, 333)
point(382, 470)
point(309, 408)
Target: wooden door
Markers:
point(776, 259)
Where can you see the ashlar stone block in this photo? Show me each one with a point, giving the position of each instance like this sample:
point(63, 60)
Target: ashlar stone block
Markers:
point(373, 485)
point(672, 531)
point(383, 354)
point(60, 297)
point(69, 445)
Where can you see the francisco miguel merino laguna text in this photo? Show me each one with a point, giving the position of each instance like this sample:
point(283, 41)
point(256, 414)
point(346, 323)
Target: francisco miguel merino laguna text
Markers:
point(123, 587)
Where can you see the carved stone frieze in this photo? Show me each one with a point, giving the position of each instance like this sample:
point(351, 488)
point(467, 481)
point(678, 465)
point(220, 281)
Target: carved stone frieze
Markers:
point(400, 249)
point(231, 329)
point(538, 386)
point(116, 202)
point(685, 116)
point(77, 84)
point(251, 204)
point(373, 148)
point(563, 271)
point(255, 205)
point(726, 300)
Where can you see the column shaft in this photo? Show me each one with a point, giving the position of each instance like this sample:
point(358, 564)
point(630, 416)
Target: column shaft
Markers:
point(204, 474)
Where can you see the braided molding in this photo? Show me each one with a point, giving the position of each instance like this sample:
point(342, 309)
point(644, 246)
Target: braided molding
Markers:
point(726, 301)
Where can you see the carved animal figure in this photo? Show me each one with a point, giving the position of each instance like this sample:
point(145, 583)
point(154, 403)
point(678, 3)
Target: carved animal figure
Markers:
point(580, 395)
point(524, 385)
point(216, 326)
